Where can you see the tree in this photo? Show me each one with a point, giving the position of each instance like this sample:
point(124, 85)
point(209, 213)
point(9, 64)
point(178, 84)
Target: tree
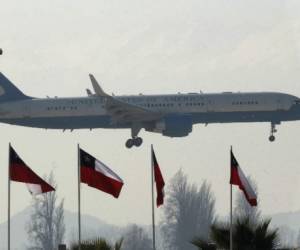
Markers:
point(46, 228)
point(98, 244)
point(244, 210)
point(135, 238)
point(189, 211)
point(203, 245)
point(245, 235)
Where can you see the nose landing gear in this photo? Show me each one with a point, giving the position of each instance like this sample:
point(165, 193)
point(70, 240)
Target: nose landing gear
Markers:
point(272, 138)
point(273, 131)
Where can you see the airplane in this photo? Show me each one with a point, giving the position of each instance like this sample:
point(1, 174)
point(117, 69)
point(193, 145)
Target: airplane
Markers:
point(172, 115)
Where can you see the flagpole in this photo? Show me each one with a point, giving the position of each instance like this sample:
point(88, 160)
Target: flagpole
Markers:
point(152, 188)
point(231, 233)
point(79, 205)
point(8, 202)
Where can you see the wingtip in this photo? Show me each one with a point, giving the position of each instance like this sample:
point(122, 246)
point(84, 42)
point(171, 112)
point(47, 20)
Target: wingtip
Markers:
point(98, 90)
point(93, 79)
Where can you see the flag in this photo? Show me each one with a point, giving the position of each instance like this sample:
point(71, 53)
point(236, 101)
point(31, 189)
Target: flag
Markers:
point(20, 172)
point(159, 180)
point(97, 175)
point(238, 178)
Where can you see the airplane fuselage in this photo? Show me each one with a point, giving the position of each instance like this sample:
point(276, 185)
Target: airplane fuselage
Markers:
point(170, 115)
point(90, 112)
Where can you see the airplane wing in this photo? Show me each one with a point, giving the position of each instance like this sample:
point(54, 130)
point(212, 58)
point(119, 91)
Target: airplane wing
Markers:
point(122, 111)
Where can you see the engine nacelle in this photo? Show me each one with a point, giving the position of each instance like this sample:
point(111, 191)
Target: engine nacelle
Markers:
point(173, 126)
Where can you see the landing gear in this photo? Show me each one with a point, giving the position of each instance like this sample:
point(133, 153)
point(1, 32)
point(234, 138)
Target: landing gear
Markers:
point(138, 141)
point(272, 138)
point(129, 143)
point(273, 131)
point(135, 141)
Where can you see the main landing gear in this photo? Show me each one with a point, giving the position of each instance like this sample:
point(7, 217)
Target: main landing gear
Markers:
point(135, 141)
point(273, 131)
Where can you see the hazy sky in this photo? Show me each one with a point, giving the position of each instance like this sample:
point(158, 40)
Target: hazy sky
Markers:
point(152, 47)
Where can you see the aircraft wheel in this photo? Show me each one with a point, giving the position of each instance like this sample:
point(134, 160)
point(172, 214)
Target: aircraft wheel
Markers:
point(272, 138)
point(138, 141)
point(129, 143)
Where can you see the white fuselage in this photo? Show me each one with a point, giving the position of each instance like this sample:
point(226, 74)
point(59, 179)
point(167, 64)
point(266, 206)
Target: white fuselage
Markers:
point(170, 115)
point(179, 103)
point(177, 113)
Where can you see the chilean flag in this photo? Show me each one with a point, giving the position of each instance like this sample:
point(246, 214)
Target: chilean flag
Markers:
point(97, 175)
point(20, 172)
point(159, 180)
point(238, 178)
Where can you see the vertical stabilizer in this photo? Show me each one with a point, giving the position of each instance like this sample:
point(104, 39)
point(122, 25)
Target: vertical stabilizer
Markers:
point(9, 92)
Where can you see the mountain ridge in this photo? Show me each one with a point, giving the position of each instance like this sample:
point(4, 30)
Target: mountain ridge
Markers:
point(93, 226)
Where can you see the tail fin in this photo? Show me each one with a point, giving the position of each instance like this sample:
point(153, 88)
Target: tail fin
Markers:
point(9, 92)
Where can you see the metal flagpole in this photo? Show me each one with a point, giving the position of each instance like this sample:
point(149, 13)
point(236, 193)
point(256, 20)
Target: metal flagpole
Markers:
point(152, 188)
point(8, 200)
point(79, 207)
point(231, 233)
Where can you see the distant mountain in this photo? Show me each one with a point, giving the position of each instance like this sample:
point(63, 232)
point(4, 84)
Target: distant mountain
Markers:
point(91, 226)
point(18, 231)
point(289, 227)
point(290, 219)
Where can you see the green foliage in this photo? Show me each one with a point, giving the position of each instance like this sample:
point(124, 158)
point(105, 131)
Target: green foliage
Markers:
point(245, 236)
point(266, 239)
point(220, 235)
point(203, 245)
point(98, 244)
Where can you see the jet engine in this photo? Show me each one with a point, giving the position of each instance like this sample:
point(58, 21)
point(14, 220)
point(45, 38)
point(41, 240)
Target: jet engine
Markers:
point(173, 126)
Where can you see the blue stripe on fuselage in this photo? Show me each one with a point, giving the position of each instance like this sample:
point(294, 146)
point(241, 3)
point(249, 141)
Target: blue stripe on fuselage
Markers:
point(72, 122)
point(258, 116)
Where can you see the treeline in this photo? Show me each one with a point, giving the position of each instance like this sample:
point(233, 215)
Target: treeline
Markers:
point(189, 222)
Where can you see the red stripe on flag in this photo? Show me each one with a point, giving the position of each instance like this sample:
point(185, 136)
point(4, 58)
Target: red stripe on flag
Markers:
point(22, 173)
point(234, 178)
point(100, 181)
point(159, 180)
point(159, 185)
